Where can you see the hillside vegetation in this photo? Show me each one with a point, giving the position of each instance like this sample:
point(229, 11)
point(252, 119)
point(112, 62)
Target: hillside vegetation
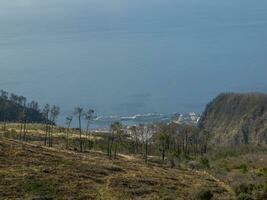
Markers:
point(15, 108)
point(237, 118)
point(34, 171)
point(28, 171)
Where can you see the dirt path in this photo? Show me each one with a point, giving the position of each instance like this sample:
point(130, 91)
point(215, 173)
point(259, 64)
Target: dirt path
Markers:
point(128, 157)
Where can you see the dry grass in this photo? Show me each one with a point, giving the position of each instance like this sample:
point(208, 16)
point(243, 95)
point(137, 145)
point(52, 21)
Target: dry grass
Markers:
point(28, 171)
point(35, 129)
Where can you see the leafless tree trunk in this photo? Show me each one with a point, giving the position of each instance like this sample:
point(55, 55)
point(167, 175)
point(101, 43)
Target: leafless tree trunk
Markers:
point(68, 123)
point(79, 112)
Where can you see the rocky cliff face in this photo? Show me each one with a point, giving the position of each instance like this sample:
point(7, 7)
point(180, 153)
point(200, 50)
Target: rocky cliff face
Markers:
point(237, 118)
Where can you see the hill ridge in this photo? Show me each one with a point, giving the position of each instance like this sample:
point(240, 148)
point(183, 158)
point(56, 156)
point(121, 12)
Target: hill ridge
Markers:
point(237, 118)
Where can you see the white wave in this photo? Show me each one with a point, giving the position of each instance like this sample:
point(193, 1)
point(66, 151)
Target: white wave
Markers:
point(125, 118)
point(104, 118)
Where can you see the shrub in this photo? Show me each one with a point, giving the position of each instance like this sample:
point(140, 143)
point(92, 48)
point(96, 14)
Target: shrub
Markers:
point(39, 188)
point(203, 194)
point(13, 133)
point(261, 192)
point(243, 168)
point(244, 196)
point(205, 162)
point(224, 165)
point(193, 165)
point(244, 188)
point(262, 172)
point(261, 195)
point(185, 157)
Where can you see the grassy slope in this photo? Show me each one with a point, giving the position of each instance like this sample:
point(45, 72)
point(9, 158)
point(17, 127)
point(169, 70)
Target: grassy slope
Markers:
point(28, 171)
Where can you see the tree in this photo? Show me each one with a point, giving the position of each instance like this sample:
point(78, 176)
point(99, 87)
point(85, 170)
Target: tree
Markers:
point(163, 138)
point(4, 94)
point(78, 111)
point(33, 105)
point(68, 123)
point(54, 113)
point(13, 98)
point(45, 113)
point(205, 138)
point(21, 100)
point(114, 138)
point(4, 115)
point(24, 101)
point(119, 133)
point(89, 116)
point(22, 116)
point(141, 134)
point(149, 131)
point(135, 139)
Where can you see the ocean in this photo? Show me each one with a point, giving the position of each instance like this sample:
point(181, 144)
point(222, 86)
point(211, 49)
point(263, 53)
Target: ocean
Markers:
point(129, 58)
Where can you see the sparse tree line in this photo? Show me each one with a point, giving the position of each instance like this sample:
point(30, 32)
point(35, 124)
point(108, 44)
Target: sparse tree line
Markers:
point(51, 114)
point(82, 115)
point(14, 108)
point(19, 100)
point(169, 141)
point(176, 141)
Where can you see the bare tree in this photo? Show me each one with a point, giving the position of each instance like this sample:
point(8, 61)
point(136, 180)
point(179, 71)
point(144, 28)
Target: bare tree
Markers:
point(116, 136)
point(69, 119)
point(54, 113)
point(45, 113)
point(78, 111)
point(149, 130)
point(89, 116)
point(163, 138)
point(24, 101)
point(141, 134)
point(134, 135)
point(21, 121)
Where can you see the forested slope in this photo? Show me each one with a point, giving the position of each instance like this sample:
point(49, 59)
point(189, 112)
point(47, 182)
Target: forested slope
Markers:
point(15, 108)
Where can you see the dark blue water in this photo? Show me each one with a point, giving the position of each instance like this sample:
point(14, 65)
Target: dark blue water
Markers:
point(124, 57)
